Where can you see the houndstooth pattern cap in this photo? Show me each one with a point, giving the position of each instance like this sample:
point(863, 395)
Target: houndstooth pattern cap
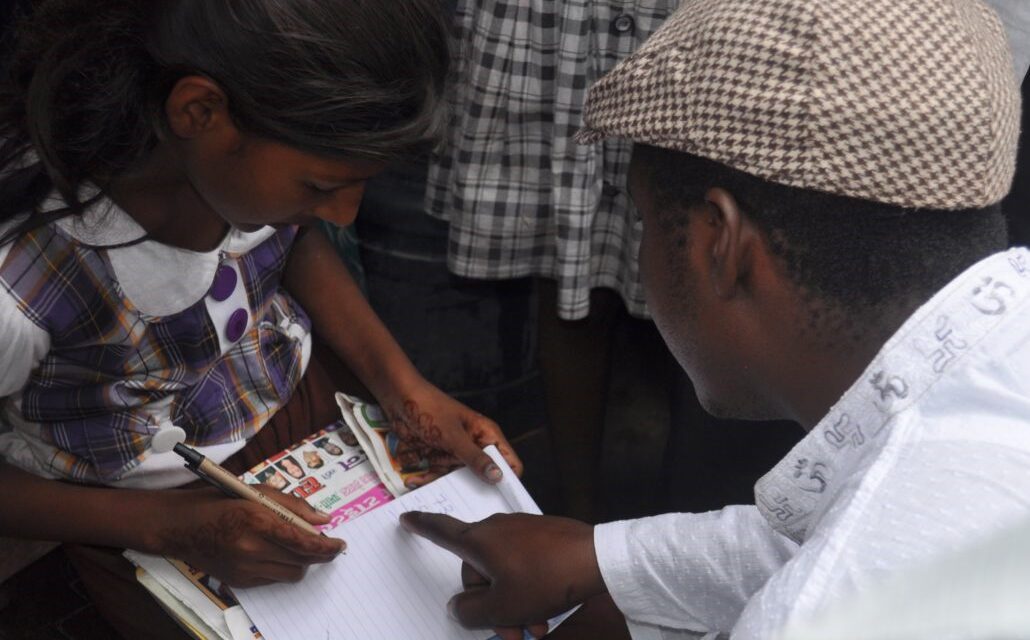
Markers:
point(907, 102)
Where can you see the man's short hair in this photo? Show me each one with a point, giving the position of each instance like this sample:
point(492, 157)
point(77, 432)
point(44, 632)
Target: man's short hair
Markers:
point(850, 258)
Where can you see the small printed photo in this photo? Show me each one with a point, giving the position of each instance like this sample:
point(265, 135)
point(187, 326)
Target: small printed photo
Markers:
point(289, 466)
point(405, 454)
point(312, 459)
point(374, 416)
point(271, 476)
point(327, 445)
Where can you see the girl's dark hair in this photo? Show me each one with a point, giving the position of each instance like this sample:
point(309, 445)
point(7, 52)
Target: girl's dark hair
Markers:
point(84, 91)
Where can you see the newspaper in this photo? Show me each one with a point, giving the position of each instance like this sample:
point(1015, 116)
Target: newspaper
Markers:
point(204, 607)
point(328, 469)
point(394, 460)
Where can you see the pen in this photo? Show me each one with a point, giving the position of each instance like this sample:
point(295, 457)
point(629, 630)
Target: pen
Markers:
point(232, 486)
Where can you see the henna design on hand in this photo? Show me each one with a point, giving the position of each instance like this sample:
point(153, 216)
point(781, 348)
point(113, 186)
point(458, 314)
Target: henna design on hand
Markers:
point(417, 426)
point(208, 540)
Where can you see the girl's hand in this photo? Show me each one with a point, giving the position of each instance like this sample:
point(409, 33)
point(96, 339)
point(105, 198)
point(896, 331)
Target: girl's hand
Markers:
point(241, 543)
point(447, 433)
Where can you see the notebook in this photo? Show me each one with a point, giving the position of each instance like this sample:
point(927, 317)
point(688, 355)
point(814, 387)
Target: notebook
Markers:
point(390, 584)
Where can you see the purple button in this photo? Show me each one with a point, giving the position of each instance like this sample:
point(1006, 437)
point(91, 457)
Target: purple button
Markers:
point(224, 284)
point(236, 326)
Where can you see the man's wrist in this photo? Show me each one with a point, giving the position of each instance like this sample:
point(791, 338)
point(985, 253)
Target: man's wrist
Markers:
point(590, 582)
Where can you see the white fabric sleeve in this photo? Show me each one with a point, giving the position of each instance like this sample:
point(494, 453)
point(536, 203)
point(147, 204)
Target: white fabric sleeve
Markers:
point(686, 571)
point(24, 343)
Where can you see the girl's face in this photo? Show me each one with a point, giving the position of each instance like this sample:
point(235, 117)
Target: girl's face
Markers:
point(261, 182)
point(312, 459)
point(333, 449)
point(291, 467)
point(252, 181)
point(276, 481)
point(249, 180)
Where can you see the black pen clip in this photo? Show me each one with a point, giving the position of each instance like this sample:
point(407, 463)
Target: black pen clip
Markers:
point(193, 460)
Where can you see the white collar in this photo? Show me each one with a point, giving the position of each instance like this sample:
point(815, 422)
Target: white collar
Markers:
point(101, 224)
point(928, 345)
point(159, 279)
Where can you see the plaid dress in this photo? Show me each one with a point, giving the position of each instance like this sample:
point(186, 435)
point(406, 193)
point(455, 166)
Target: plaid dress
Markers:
point(521, 196)
point(109, 365)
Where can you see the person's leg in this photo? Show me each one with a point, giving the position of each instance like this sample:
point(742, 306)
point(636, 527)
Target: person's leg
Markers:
point(111, 582)
point(110, 579)
point(574, 364)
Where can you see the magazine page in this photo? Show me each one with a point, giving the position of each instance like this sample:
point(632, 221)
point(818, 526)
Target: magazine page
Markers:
point(327, 469)
point(394, 460)
point(330, 471)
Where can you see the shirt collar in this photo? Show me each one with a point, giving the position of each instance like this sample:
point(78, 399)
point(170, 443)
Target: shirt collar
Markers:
point(928, 345)
point(101, 224)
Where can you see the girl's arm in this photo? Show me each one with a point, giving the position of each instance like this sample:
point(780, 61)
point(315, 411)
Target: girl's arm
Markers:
point(237, 541)
point(418, 411)
point(226, 538)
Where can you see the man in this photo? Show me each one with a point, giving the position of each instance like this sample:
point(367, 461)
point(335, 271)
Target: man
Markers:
point(818, 184)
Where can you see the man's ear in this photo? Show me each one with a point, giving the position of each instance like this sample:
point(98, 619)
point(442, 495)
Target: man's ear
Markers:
point(731, 235)
point(196, 105)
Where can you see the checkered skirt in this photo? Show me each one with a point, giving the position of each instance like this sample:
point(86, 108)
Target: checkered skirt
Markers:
point(521, 196)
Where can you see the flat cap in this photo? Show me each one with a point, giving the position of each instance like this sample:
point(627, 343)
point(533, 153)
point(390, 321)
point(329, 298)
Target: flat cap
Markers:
point(907, 102)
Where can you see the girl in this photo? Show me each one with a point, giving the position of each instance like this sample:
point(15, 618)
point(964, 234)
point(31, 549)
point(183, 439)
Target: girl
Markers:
point(159, 161)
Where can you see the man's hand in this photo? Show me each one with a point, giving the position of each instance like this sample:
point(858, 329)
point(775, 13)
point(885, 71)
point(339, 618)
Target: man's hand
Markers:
point(240, 543)
point(519, 570)
point(447, 433)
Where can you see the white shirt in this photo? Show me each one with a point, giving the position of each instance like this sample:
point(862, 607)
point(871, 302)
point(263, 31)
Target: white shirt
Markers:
point(979, 593)
point(927, 452)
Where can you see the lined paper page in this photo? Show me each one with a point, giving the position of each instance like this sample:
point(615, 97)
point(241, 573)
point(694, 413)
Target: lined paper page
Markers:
point(390, 584)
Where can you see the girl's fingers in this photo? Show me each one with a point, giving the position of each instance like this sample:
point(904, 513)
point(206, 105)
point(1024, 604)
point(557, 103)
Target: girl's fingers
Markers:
point(422, 479)
point(297, 506)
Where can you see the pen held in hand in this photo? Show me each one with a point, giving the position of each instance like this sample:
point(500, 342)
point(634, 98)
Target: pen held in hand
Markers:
point(234, 487)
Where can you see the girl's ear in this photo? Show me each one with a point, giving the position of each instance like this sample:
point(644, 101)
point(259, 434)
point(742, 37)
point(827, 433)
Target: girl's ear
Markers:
point(196, 105)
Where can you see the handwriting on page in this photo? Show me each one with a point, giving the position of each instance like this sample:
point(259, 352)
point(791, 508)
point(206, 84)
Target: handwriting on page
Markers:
point(390, 584)
point(433, 504)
